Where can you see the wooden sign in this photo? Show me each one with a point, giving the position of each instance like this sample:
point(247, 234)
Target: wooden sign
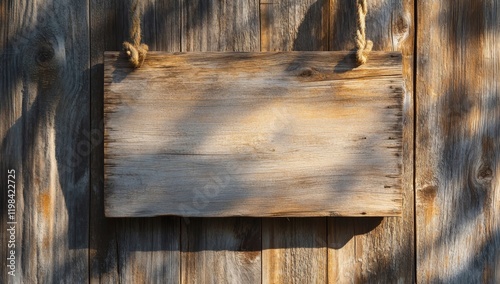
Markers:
point(253, 134)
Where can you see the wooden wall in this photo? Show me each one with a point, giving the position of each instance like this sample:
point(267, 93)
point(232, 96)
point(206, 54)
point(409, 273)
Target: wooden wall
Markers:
point(51, 82)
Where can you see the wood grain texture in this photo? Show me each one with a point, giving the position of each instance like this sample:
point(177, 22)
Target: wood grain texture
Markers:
point(44, 109)
point(224, 246)
point(231, 248)
point(458, 142)
point(221, 25)
point(457, 167)
point(282, 259)
point(105, 16)
point(148, 250)
point(294, 250)
point(377, 250)
point(294, 25)
point(253, 134)
point(457, 157)
point(128, 250)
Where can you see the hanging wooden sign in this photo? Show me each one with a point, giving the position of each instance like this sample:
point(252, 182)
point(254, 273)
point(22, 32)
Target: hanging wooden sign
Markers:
point(253, 134)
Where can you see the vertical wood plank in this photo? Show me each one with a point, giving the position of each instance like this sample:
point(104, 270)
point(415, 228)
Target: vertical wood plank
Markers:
point(148, 250)
point(220, 250)
point(44, 108)
point(294, 249)
point(372, 249)
point(220, 25)
point(458, 142)
point(9, 113)
point(104, 18)
point(4, 31)
point(128, 250)
point(294, 25)
point(168, 25)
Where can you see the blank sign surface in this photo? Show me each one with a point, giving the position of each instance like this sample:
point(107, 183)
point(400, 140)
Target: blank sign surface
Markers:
point(253, 134)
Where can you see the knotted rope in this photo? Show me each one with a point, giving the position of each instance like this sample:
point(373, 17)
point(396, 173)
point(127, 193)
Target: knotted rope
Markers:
point(136, 51)
point(363, 45)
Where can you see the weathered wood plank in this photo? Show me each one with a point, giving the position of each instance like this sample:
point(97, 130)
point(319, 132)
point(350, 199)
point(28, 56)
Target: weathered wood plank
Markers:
point(9, 112)
point(105, 17)
point(365, 249)
point(300, 260)
point(261, 130)
point(224, 244)
point(231, 249)
point(294, 250)
point(148, 250)
point(128, 250)
point(222, 25)
point(458, 142)
point(44, 109)
point(294, 25)
point(4, 38)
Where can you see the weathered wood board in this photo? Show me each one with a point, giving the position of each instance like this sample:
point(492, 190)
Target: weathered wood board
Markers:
point(224, 250)
point(372, 250)
point(123, 250)
point(458, 142)
point(253, 134)
point(293, 249)
point(44, 123)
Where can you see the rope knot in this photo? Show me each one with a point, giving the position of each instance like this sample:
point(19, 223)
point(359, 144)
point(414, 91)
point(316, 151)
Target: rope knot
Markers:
point(363, 45)
point(135, 50)
point(136, 54)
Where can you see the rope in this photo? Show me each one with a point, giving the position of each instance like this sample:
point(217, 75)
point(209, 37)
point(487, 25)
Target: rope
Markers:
point(136, 51)
point(363, 45)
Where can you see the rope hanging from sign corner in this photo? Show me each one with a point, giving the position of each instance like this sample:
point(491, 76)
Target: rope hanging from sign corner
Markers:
point(363, 46)
point(135, 50)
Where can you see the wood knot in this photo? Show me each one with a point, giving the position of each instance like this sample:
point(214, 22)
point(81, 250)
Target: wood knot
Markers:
point(44, 55)
point(428, 193)
point(485, 174)
point(306, 72)
point(401, 28)
point(43, 59)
